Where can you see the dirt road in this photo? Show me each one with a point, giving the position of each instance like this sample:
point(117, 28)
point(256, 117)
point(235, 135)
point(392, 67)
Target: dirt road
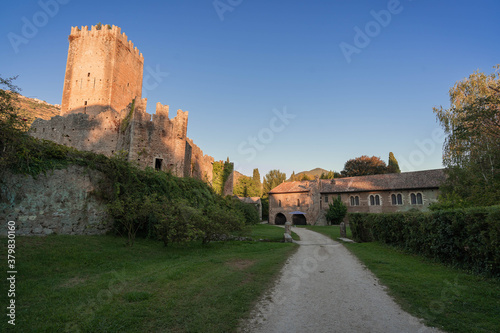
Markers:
point(324, 288)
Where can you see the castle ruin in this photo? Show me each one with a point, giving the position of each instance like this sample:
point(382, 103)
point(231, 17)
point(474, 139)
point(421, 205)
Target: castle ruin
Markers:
point(102, 110)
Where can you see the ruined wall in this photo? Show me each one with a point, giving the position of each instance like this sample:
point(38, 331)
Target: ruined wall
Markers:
point(103, 71)
point(62, 202)
point(102, 110)
point(201, 164)
point(99, 134)
point(158, 141)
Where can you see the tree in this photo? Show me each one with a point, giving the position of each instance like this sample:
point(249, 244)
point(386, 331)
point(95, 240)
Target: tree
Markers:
point(293, 177)
point(336, 212)
point(363, 166)
point(393, 166)
point(472, 147)
point(13, 126)
point(221, 172)
point(257, 183)
point(327, 175)
point(305, 177)
point(272, 179)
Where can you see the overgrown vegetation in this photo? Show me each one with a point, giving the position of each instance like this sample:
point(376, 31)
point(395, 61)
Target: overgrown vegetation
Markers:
point(221, 172)
point(146, 202)
point(465, 238)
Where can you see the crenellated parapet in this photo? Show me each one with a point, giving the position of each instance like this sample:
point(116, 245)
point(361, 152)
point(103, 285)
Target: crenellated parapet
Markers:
point(105, 30)
point(180, 123)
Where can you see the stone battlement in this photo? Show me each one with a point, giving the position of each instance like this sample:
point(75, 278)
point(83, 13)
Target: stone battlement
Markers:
point(104, 30)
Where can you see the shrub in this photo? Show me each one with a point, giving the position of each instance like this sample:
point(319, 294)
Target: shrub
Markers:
point(336, 212)
point(467, 238)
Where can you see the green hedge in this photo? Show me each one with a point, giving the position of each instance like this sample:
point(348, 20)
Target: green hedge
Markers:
point(467, 238)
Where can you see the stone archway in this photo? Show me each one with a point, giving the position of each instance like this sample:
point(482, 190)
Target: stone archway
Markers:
point(280, 219)
point(299, 219)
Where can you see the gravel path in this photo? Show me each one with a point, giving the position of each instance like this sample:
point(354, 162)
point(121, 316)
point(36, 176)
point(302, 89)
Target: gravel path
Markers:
point(324, 288)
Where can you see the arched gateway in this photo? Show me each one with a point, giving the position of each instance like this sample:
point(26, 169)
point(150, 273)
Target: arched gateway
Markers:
point(280, 219)
point(299, 219)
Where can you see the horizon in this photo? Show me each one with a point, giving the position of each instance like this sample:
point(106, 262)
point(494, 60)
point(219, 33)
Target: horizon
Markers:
point(291, 86)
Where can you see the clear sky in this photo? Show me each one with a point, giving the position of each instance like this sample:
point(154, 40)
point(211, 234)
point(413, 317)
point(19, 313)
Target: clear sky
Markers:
point(289, 85)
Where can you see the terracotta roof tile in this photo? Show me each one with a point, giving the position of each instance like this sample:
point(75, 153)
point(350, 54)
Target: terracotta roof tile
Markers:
point(292, 187)
point(393, 181)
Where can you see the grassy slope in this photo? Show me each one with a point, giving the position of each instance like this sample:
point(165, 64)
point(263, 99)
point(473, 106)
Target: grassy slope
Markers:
point(444, 297)
point(32, 109)
point(96, 284)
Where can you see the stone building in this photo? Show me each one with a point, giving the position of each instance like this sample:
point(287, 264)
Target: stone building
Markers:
point(309, 200)
point(102, 110)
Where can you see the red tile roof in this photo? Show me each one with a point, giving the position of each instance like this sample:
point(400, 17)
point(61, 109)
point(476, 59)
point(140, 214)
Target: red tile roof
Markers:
point(292, 187)
point(392, 181)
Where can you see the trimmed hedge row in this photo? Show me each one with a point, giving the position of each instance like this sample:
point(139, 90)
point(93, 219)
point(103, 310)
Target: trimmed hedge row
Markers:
point(467, 238)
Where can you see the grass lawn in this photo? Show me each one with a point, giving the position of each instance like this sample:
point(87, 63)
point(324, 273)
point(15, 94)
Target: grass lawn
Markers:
point(96, 284)
point(330, 230)
point(451, 299)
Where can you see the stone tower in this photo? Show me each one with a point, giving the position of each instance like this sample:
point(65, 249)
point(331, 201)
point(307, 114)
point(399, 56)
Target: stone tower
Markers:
point(103, 71)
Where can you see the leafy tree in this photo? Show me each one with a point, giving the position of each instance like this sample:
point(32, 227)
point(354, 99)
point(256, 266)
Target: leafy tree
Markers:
point(364, 166)
point(472, 147)
point(13, 127)
point(327, 175)
point(272, 179)
point(305, 177)
point(257, 183)
point(220, 174)
point(393, 166)
point(245, 187)
point(293, 177)
point(336, 212)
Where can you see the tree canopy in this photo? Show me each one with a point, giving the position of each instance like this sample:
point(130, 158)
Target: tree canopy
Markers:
point(364, 166)
point(393, 166)
point(272, 179)
point(472, 147)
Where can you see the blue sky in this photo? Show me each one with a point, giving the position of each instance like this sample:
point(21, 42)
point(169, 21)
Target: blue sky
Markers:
point(289, 85)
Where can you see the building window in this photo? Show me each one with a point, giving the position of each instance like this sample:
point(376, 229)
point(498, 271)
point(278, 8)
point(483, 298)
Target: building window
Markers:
point(375, 200)
point(416, 199)
point(279, 203)
point(158, 162)
point(397, 199)
point(326, 199)
point(88, 75)
point(354, 200)
point(298, 202)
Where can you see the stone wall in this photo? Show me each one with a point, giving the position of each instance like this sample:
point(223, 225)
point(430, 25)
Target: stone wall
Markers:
point(309, 204)
point(97, 133)
point(429, 196)
point(315, 204)
point(62, 202)
point(145, 138)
